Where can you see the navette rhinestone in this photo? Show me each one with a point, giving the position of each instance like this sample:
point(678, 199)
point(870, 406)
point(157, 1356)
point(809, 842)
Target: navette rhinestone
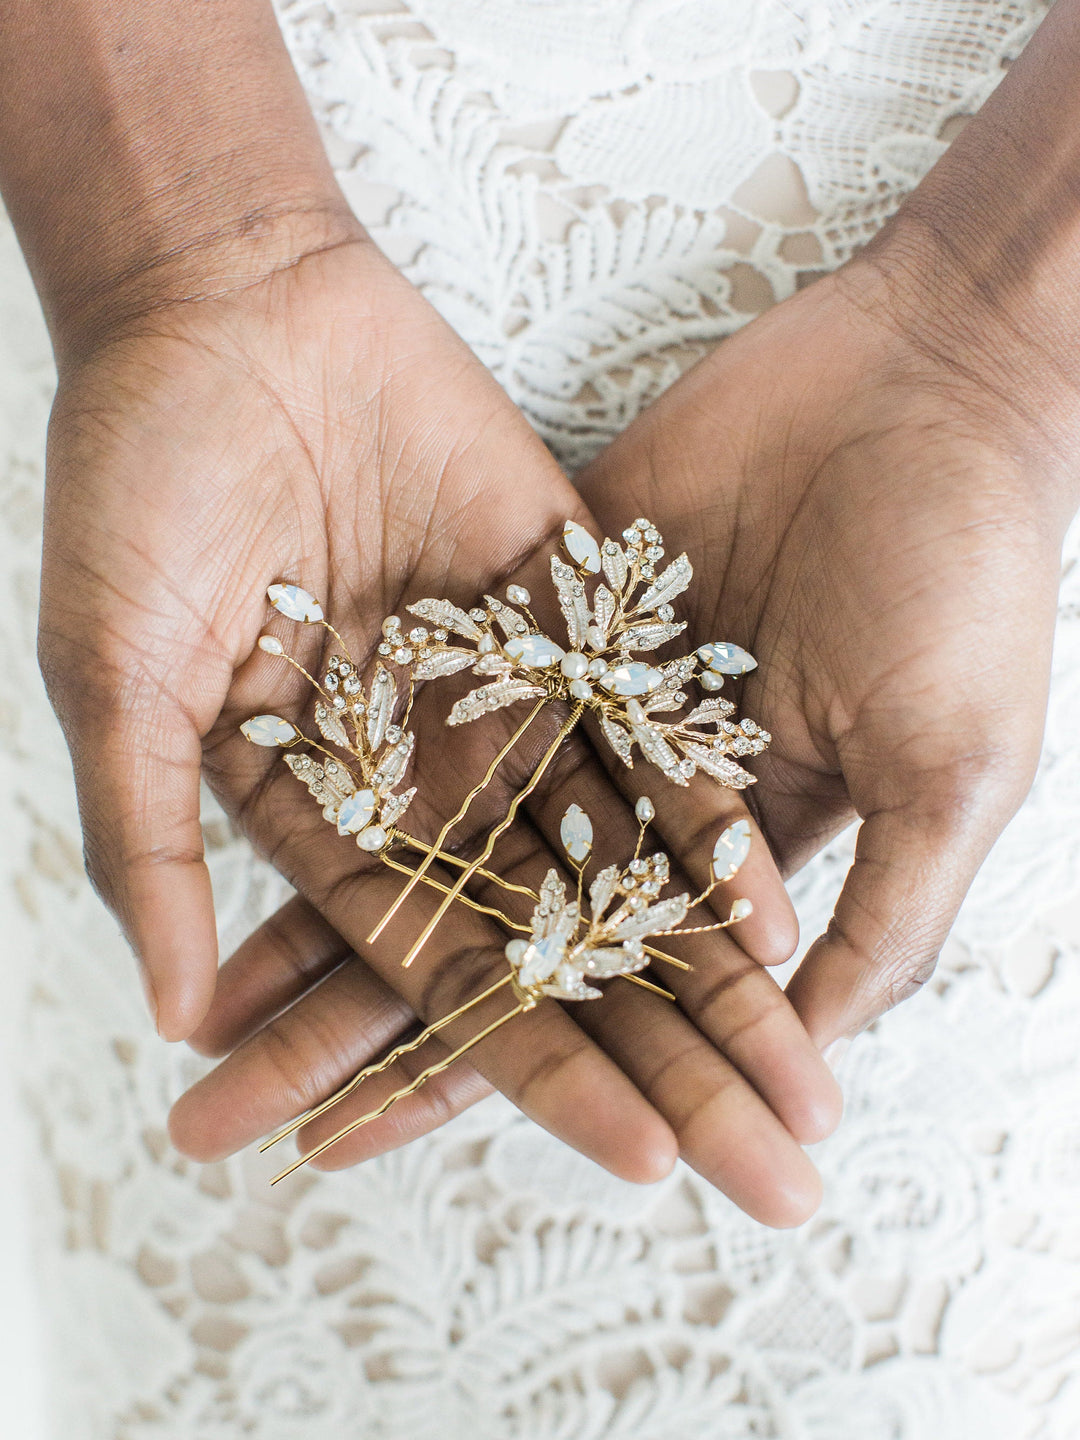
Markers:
point(535, 650)
point(268, 730)
point(634, 678)
point(576, 833)
point(356, 812)
point(726, 659)
point(581, 547)
point(731, 849)
point(297, 604)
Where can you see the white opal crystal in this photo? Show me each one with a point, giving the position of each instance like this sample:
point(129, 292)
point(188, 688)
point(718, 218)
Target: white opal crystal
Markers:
point(726, 659)
point(297, 604)
point(534, 650)
point(574, 665)
point(355, 812)
point(541, 959)
point(268, 730)
point(271, 644)
point(581, 547)
point(644, 809)
point(634, 678)
point(576, 833)
point(373, 838)
point(731, 849)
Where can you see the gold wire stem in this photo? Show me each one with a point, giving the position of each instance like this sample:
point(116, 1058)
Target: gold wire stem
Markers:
point(410, 1089)
point(704, 929)
point(463, 810)
point(648, 985)
point(464, 898)
point(669, 959)
point(448, 859)
point(493, 836)
point(344, 648)
point(378, 1066)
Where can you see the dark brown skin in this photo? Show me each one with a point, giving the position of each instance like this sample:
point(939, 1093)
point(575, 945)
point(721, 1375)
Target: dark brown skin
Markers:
point(872, 481)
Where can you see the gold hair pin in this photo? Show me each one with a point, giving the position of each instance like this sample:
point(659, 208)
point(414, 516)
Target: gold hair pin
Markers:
point(504, 646)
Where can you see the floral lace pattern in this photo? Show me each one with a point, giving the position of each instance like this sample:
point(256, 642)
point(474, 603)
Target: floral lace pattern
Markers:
point(488, 1282)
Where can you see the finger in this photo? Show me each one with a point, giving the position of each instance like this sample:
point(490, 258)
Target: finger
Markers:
point(296, 1060)
point(137, 775)
point(288, 953)
point(551, 1069)
point(913, 866)
point(726, 1131)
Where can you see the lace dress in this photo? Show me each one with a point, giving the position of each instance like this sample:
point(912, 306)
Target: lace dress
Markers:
point(593, 192)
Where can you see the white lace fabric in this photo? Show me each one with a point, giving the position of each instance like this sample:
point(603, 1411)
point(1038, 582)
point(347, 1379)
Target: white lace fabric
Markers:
point(593, 192)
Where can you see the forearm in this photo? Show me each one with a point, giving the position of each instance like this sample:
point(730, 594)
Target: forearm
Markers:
point(150, 149)
point(986, 251)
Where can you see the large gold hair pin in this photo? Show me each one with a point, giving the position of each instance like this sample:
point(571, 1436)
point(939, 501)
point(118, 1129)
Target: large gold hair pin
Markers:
point(571, 942)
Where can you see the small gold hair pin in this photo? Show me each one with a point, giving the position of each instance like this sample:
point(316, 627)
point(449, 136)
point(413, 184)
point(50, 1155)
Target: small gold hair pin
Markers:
point(503, 645)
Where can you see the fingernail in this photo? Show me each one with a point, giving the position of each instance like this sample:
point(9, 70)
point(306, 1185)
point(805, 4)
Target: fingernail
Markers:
point(833, 1054)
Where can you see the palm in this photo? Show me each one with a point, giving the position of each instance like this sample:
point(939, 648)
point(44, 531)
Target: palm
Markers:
point(865, 529)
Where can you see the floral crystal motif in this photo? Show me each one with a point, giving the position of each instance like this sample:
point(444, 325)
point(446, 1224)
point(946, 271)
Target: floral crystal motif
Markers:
point(628, 612)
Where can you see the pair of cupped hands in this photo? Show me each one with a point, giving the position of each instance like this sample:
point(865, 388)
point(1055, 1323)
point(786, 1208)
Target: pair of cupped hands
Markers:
point(861, 515)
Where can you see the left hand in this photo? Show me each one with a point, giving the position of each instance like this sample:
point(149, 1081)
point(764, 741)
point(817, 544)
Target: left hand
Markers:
point(879, 521)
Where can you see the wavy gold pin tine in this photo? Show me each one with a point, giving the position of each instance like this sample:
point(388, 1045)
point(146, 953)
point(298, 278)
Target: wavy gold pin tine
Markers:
point(406, 1090)
point(463, 810)
point(378, 1066)
point(504, 824)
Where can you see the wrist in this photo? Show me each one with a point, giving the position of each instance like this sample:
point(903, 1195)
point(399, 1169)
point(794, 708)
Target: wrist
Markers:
point(184, 160)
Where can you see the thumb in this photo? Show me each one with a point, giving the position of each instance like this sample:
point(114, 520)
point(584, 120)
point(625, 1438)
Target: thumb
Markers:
point(913, 866)
point(137, 767)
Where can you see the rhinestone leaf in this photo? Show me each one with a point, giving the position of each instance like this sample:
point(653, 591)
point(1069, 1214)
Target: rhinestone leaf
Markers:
point(269, 730)
point(355, 813)
point(581, 547)
point(619, 741)
point(443, 662)
point(331, 727)
point(603, 613)
point(602, 890)
point(671, 581)
point(572, 603)
point(447, 616)
point(604, 962)
point(492, 697)
point(726, 659)
point(576, 833)
point(381, 709)
point(655, 919)
point(731, 849)
point(394, 806)
point(649, 637)
point(616, 569)
point(295, 603)
point(720, 767)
